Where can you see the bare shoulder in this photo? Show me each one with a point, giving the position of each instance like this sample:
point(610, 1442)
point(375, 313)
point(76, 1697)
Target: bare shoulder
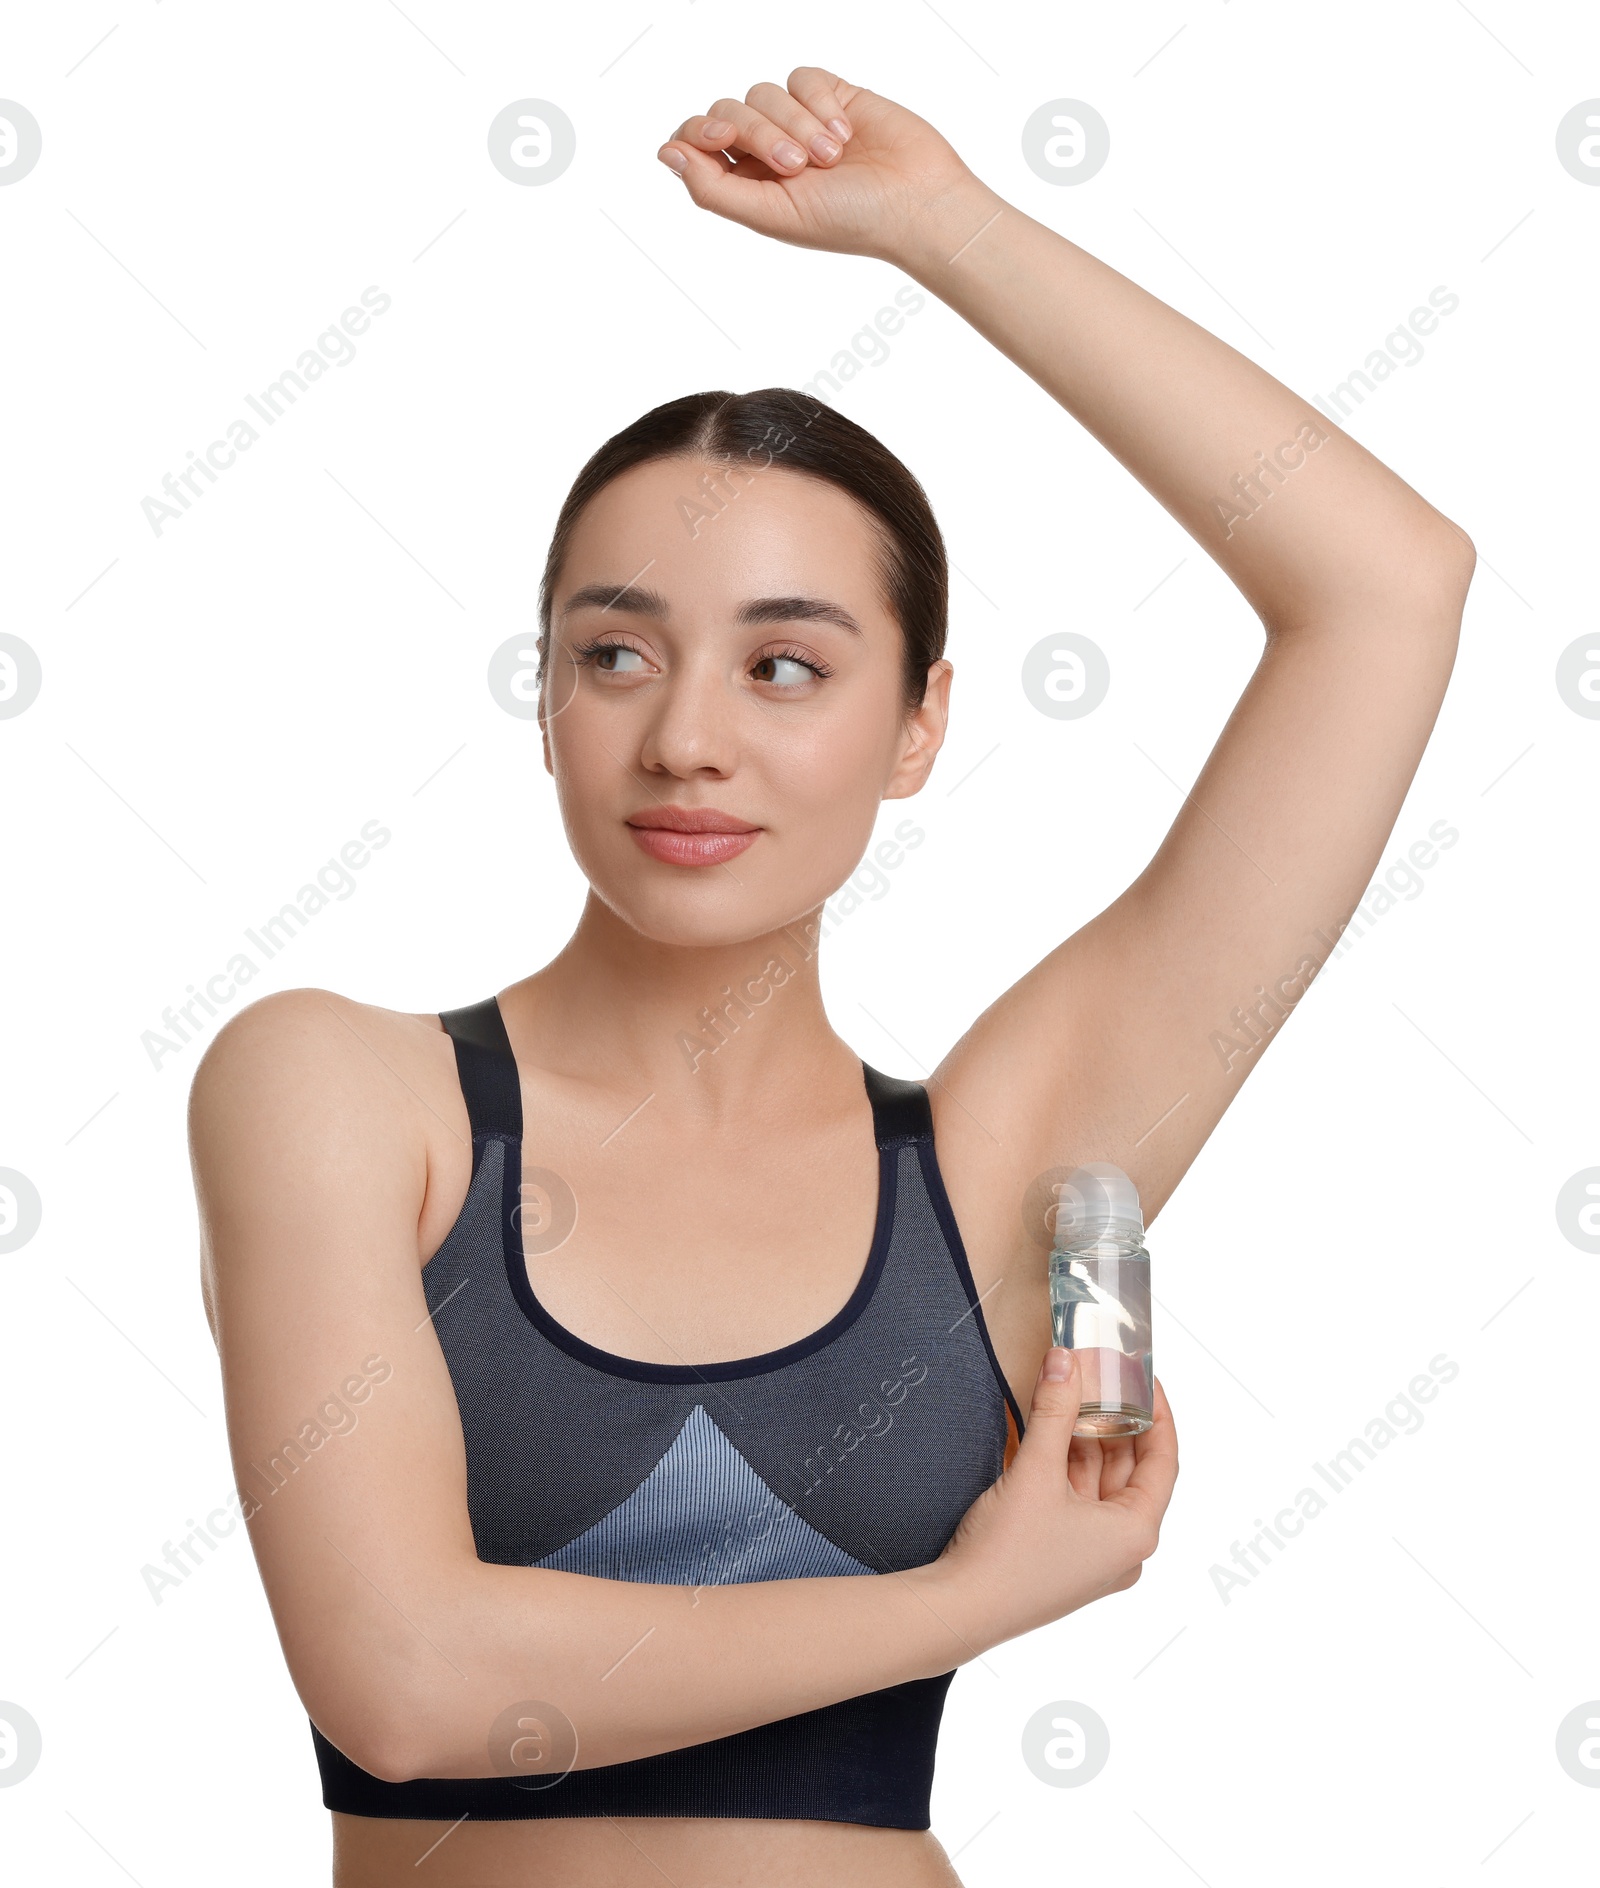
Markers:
point(316, 1049)
point(312, 1115)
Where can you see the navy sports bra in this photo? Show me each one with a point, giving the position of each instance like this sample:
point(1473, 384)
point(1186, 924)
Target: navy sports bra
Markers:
point(694, 1474)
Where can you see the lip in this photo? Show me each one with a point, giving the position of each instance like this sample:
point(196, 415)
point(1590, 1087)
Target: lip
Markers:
point(683, 835)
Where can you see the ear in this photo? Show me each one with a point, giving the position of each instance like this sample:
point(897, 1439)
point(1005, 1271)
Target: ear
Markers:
point(923, 735)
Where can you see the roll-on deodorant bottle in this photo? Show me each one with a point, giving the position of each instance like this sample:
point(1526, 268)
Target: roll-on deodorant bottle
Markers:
point(1100, 1298)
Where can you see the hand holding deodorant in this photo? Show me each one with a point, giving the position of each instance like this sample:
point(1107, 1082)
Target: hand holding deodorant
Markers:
point(1100, 1299)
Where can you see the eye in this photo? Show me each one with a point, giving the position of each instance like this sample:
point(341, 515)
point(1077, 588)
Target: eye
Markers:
point(611, 658)
point(785, 669)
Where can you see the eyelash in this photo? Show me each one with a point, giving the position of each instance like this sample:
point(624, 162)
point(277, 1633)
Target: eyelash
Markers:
point(818, 669)
point(585, 653)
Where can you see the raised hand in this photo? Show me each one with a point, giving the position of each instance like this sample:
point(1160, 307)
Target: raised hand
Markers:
point(820, 163)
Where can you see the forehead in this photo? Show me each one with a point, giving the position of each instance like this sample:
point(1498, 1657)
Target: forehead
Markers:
point(719, 531)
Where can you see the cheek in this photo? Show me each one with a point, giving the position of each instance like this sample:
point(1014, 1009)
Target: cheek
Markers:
point(592, 788)
point(574, 752)
point(839, 757)
point(826, 787)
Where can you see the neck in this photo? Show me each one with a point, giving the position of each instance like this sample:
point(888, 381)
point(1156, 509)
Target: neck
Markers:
point(713, 1026)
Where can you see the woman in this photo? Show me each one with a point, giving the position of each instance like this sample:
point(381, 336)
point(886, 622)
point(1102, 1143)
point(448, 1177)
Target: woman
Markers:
point(662, 1525)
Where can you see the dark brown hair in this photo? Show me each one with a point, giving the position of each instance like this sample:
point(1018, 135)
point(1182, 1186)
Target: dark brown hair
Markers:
point(778, 426)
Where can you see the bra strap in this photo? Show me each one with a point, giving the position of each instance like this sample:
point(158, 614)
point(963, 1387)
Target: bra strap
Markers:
point(488, 1072)
point(900, 1109)
point(487, 1068)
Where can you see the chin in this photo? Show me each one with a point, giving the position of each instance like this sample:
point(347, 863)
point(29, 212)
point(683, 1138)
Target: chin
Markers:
point(703, 907)
point(708, 919)
point(710, 907)
point(678, 931)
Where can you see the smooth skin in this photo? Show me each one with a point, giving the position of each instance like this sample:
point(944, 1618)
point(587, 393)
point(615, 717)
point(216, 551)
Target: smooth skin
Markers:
point(331, 1144)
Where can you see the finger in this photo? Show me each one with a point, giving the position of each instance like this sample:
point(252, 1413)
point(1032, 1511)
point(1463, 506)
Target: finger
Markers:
point(1048, 1441)
point(1155, 1459)
point(1116, 1464)
point(1055, 1405)
point(786, 111)
point(822, 94)
point(1084, 1460)
point(1161, 1411)
point(757, 201)
point(757, 134)
point(704, 132)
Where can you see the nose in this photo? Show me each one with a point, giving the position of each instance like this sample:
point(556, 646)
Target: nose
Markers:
point(693, 724)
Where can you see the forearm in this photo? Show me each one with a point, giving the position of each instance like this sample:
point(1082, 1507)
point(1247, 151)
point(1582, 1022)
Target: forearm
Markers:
point(1305, 521)
point(640, 1668)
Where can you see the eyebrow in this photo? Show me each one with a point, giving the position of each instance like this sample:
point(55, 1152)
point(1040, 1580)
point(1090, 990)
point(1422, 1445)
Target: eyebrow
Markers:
point(638, 601)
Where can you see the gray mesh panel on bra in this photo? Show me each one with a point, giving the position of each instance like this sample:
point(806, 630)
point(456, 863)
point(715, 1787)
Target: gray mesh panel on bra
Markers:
point(702, 1517)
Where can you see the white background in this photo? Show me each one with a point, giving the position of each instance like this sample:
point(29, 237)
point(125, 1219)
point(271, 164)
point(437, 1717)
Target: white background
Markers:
point(226, 704)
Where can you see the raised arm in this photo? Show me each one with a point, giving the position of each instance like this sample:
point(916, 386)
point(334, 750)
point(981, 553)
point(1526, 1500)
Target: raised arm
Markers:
point(1155, 1011)
point(1158, 1009)
point(311, 1168)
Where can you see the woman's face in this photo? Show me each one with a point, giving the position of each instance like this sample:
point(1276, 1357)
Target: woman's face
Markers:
point(750, 671)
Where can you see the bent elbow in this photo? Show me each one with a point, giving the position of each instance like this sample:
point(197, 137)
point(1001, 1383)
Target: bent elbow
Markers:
point(1446, 570)
point(386, 1748)
point(394, 1757)
point(1462, 555)
point(378, 1720)
point(1426, 587)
